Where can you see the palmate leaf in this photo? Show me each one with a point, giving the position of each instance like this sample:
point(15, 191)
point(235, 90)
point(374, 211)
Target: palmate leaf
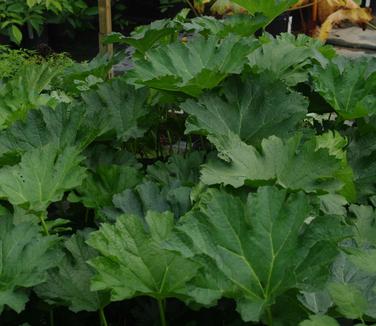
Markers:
point(288, 58)
point(191, 68)
point(132, 262)
point(67, 125)
point(243, 25)
point(42, 177)
point(336, 144)
point(68, 284)
point(24, 92)
point(26, 256)
point(119, 106)
point(253, 107)
point(362, 158)
point(290, 164)
point(365, 225)
point(149, 196)
point(103, 183)
point(179, 170)
point(348, 86)
point(352, 289)
point(269, 8)
point(264, 247)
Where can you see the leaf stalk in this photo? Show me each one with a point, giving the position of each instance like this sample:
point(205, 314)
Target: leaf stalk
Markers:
point(162, 312)
point(102, 317)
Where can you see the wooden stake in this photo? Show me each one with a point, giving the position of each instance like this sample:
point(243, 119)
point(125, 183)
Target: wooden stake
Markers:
point(314, 12)
point(105, 26)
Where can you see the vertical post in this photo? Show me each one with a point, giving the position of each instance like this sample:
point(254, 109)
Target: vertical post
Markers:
point(314, 13)
point(105, 25)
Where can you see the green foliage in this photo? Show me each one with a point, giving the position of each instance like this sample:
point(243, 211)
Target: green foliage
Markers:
point(24, 92)
point(132, 263)
point(251, 243)
point(254, 108)
point(291, 164)
point(42, 177)
point(33, 14)
point(69, 282)
point(26, 257)
point(347, 85)
point(215, 183)
point(193, 67)
point(269, 8)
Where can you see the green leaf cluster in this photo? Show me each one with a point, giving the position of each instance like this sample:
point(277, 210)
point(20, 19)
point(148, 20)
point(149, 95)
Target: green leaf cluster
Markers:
point(222, 169)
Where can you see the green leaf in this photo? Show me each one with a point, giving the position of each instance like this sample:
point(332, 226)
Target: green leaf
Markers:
point(15, 34)
point(349, 300)
point(365, 259)
point(356, 293)
point(269, 8)
point(365, 223)
point(336, 145)
point(290, 164)
point(362, 158)
point(42, 177)
point(179, 170)
point(26, 256)
point(318, 302)
point(254, 107)
point(252, 244)
point(24, 92)
point(102, 184)
point(120, 107)
point(191, 68)
point(348, 86)
point(144, 41)
point(290, 60)
point(67, 125)
point(318, 320)
point(243, 25)
point(69, 283)
point(132, 262)
point(149, 196)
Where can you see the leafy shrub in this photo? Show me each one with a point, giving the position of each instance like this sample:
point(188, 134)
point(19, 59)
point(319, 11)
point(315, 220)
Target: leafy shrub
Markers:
point(221, 168)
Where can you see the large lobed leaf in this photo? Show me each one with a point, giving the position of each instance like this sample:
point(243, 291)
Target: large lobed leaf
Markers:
point(132, 262)
point(253, 107)
point(269, 8)
point(264, 247)
point(348, 86)
point(191, 68)
point(118, 106)
point(42, 177)
point(24, 92)
point(67, 125)
point(69, 282)
point(25, 257)
point(291, 164)
point(362, 158)
point(289, 58)
point(103, 183)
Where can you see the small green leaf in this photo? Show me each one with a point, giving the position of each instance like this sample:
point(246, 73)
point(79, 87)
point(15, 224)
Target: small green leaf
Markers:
point(349, 300)
point(15, 34)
